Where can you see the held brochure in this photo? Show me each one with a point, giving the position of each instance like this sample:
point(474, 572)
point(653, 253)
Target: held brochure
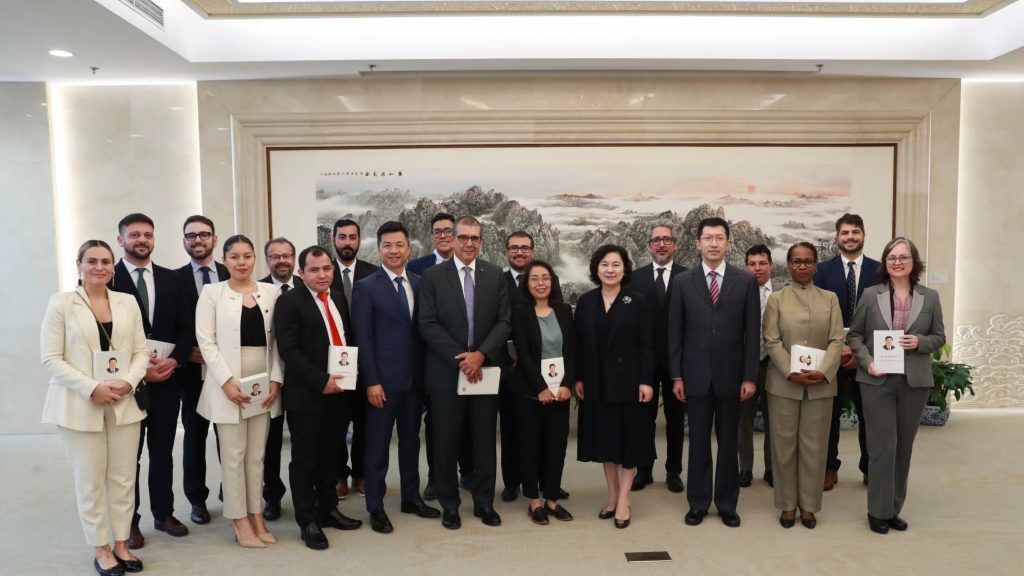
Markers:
point(344, 361)
point(256, 387)
point(888, 352)
point(487, 385)
point(804, 358)
point(110, 364)
point(159, 349)
point(552, 370)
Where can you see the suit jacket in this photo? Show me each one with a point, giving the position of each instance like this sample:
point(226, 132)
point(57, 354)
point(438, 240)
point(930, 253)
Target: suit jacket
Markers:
point(390, 350)
point(526, 376)
point(613, 369)
point(303, 342)
point(172, 315)
point(831, 275)
point(444, 325)
point(268, 279)
point(420, 265)
point(362, 270)
point(67, 340)
point(874, 312)
point(714, 346)
point(643, 282)
point(191, 372)
point(809, 317)
point(218, 316)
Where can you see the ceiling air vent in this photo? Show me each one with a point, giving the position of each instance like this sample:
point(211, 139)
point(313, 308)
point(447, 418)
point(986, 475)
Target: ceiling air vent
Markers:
point(148, 9)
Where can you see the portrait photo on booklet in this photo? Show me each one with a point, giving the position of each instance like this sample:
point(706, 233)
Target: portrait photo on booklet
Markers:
point(109, 364)
point(256, 387)
point(552, 370)
point(344, 361)
point(888, 352)
point(805, 358)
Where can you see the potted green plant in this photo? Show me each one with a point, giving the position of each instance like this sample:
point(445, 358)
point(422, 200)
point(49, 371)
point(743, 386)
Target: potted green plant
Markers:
point(949, 377)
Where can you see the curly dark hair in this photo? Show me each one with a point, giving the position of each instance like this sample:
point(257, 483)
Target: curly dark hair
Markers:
point(603, 251)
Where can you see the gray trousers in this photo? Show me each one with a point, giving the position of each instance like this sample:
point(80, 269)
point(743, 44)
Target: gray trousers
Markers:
point(893, 412)
point(748, 409)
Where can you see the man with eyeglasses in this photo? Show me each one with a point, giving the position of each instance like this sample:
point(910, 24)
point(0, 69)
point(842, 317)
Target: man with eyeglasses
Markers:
point(464, 321)
point(280, 255)
point(759, 263)
point(442, 238)
point(199, 238)
point(848, 274)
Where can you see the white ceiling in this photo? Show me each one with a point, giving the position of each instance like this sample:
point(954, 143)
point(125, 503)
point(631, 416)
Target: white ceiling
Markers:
point(127, 48)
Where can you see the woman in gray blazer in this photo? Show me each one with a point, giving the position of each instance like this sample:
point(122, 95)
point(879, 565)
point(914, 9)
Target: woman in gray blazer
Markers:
point(893, 403)
point(97, 417)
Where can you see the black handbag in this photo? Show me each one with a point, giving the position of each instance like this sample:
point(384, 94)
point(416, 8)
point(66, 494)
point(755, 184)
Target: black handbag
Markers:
point(142, 388)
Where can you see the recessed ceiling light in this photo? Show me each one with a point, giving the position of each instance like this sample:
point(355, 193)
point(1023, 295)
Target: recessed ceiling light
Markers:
point(61, 53)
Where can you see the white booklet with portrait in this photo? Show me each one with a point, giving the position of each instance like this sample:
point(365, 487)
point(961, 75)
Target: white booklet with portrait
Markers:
point(804, 358)
point(159, 349)
point(257, 388)
point(552, 370)
point(888, 352)
point(344, 361)
point(488, 384)
point(110, 364)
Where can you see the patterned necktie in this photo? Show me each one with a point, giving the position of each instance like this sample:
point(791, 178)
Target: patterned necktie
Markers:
point(402, 296)
point(469, 288)
point(143, 289)
point(714, 288)
point(851, 290)
point(346, 282)
point(661, 281)
point(206, 274)
point(335, 335)
point(764, 300)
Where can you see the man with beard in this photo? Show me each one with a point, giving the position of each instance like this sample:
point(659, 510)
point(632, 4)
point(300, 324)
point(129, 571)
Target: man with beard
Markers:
point(280, 255)
point(347, 271)
point(199, 239)
point(655, 281)
point(848, 274)
point(164, 304)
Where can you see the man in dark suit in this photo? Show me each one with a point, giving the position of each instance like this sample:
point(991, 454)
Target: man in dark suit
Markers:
point(164, 305)
point(848, 274)
point(348, 270)
point(308, 321)
point(655, 281)
point(464, 321)
point(199, 238)
point(714, 335)
point(280, 256)
point(391, 366)
point(759, 264)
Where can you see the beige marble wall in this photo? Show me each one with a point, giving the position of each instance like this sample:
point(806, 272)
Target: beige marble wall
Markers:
point(989, 318)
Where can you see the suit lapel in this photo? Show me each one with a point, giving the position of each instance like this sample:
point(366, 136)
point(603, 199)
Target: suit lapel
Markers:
point(916, 303)
point(885, 307)
point(726, 287)
point(86, 320)
point(700, 286)
point(455, 279)
point(310, 303)
point(389, 288)
point(121, 333)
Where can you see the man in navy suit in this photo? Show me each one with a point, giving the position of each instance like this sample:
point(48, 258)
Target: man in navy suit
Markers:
point(391, 368)
point(848, 274)
point(714, 335)
point(199, 238)
point(164, 305)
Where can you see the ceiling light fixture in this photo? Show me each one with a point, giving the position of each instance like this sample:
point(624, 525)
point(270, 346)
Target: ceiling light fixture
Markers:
point(61, 53)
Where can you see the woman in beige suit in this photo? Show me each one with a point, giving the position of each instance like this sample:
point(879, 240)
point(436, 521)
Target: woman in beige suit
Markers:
point(98, 419)
point(800, 402)
point(893, 402)
point(233, 327)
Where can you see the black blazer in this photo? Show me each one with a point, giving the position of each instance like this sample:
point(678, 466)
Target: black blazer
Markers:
point(296, 281)
point(642, 281)
point(173, 318)
point(709, 345)
point(303, 343)
point(625, 359)
point(526, 377)
point(194, 372)
point(832, 276)
point(362, 270)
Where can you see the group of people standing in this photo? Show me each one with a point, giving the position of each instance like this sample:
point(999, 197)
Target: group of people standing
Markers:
point(715, 340)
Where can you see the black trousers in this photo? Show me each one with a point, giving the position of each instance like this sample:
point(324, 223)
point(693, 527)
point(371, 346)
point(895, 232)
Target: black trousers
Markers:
point(508, 422)
point(455, 418)
point(157, 434)
point(675, 426)
point(402, 411)
point(543, 434)
point(848, 390)
point(465, 449)
point(273, 487)
point(723, 414)
point(357, 418)
point(313, 472)
point(197, 430)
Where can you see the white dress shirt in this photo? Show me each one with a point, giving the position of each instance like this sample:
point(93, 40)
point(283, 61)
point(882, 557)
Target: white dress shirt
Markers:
point(438, 259)
point(666, 275)
point(858, 264)
point(333, 312)
point(707, 273)
point(197, 274)
point(462, 274)
point(150, 283)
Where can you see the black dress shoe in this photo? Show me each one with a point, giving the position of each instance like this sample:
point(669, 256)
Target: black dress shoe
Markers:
point(606, 514)
point(562, 494)
point(538, 515)
point(730, 519)
point(559, 513)
point(897, 523)
point(272, 510)
point(450, 519)
point(115, 570)
point(674, 483)
point(171, 526)
point(768, 478)
point(620, 524)
point(313, 537)
point(135, 538)
point(787, 522)
point(746, 478)
point(380, 522)
point(488, 516)
point(419, 508)
point(878, 525)
point(338, 520)
point(509, 494)
point(466, 482)
point(809, 523)
point(129, 565)
point(694, 517)
point(641, 480)
point(429, 491)
point(200, 515)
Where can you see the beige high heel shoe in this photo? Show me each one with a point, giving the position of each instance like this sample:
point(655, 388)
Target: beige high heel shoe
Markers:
point(267, 538)
point(253, 542)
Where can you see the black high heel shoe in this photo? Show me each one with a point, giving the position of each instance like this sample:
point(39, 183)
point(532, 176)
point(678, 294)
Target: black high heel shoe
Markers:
point(787, 522)
point(115, 570)
point(620, 524)
point(606, 514)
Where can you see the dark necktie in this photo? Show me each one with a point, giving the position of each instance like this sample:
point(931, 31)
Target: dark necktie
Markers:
point(661, 281)
point(143, 289)
point(402, 296)
point(714, 288)
point(519, 280)
point(470, 291)
point(335, 335)
point(206, 274)
point(851, 290)
point(346, 281)
point(285, 288)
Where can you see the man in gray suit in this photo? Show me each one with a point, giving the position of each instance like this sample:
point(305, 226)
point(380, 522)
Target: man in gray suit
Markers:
point(464, 321)
point(714, 335)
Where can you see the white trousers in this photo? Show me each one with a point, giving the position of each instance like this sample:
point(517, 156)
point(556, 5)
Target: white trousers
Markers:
point(241, 451)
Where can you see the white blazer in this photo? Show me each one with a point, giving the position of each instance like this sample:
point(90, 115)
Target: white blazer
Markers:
point(218, 330)
point(67, 340)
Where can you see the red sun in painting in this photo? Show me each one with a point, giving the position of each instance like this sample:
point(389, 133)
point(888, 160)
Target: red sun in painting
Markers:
point(751, 189)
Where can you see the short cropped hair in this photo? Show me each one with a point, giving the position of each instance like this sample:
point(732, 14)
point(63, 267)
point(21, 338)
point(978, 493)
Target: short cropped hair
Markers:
point(712, 222)
point(441, 216)
point(519, 234)
point(850, 220)
point(201, 219)
point(808, 245)
point(758, 249)
point(314, 251)
point(278, 240)
point(347, 222)
point(134, 218)
point(389, 227)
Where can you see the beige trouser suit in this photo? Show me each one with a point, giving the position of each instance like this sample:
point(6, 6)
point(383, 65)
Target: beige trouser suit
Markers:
point(800, 416)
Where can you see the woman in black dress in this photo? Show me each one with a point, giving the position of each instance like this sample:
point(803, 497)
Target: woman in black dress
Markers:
point(615, 361)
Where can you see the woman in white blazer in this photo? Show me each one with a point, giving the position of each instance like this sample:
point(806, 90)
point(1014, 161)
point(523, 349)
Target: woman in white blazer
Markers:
point(236, 338)
point(98, 420)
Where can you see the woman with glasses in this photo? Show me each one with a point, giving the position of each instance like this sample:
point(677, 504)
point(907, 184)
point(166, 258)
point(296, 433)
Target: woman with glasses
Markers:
point(800, 400)
point(542, 331)
point(893, 403)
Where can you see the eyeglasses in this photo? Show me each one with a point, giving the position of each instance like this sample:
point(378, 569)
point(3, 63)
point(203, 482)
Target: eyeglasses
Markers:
point(191, 236)
point(438, 232)
point(466, 239)
point(545, 279)
point(666, 240)
point(713, 239)
point(797, 263)
point(279, 257)
point(520, 248)
point(902, 259)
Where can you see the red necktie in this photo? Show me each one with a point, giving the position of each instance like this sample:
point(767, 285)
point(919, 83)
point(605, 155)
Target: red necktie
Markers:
point(335, 335)
point(714, 288)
